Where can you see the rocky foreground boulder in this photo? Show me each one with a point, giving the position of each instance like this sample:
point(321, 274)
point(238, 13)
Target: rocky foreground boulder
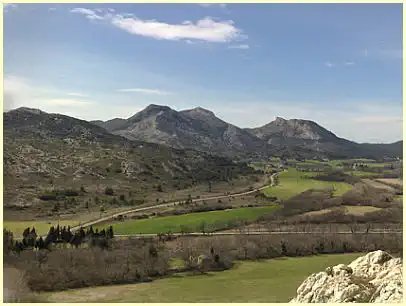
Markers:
point(376, 277)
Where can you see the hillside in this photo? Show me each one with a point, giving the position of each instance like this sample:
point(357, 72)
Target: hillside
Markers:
point(196, 128)
point(47, 152)
point(200, 129)
point(297, 134)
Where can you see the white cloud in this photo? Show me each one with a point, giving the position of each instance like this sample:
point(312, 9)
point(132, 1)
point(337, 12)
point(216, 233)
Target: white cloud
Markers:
point(89, 14)
point(329, 64)
point(205, 29)
point(77, 94)
point(239, 47)
point(52, 9)
point(145, 91)
point(349, 63)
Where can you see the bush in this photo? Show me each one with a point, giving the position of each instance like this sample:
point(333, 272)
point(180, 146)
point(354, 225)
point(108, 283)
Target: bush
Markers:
point(109, 191)
point(126, 262)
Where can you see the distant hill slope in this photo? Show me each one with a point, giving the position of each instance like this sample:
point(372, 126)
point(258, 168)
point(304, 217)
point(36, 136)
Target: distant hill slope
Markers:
point(196, 128)
point(42, 150)
point(200, 129)
point(299, 135)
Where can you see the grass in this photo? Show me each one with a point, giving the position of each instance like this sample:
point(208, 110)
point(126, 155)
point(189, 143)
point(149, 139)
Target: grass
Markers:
point(41, 227)
point(293, 182)
point(270, 281)
point(191, 221)
point(377, 165)
point(360, 210)
point(339, 162)
point(361, 174)
point(350, 210)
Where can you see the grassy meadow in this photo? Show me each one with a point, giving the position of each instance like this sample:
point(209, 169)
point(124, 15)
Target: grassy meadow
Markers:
point(267, 281)
point(293, 182)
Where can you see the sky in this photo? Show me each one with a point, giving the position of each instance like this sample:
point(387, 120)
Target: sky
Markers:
point(339, 65)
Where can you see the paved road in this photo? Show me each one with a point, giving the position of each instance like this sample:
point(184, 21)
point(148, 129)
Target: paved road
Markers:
point(106, 218)
point(259, 233)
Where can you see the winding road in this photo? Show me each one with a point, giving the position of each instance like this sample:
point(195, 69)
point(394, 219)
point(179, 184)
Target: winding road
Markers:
point(109, 217)
point(260, 233)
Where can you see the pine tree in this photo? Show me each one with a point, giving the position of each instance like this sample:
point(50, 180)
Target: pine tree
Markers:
point(110, 233)
point(82, 233)
point(90, 231)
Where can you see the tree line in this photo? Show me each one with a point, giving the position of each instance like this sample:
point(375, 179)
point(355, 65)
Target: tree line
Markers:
point(57, 236)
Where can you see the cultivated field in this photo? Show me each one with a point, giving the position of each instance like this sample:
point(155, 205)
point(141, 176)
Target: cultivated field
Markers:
point(267, 281)
point(293, 182)
point(193, 222)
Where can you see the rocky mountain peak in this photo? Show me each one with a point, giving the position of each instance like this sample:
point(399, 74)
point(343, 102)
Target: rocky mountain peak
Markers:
point(201, 110)
point(156, 108)
point(280, 120)
point(29, 110)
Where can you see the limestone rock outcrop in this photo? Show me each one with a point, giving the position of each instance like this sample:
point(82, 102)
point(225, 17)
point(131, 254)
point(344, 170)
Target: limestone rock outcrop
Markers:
point(376, 277)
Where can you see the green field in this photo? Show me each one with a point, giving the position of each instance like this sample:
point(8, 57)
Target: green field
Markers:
point(338, 162)
point(361, 174)
point(41, 227)
point(293, 182)
point(191, 221)
point(268, 281)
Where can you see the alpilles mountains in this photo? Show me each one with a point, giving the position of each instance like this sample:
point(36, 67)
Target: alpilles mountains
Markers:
point(156, 149)
point(201, 130)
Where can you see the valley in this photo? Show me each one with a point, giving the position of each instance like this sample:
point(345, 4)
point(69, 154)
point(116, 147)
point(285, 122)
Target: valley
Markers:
point(175, 206)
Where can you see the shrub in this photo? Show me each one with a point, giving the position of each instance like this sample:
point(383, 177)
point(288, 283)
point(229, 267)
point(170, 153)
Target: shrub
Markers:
point(109, 191)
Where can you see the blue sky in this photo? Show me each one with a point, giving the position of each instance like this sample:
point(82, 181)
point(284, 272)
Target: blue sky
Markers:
point(337, 64)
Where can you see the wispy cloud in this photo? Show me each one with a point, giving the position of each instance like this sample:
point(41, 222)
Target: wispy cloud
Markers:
point(330, 64)
point(52, 9)
point(378, 119)
point(9, 6)
point(239, 47)
point(68, 102)
point(146, 91)
point(206, 29)
point(362, 122)
point(20, 92)
point(77, 94)
point(223, 5)
point(89, 14)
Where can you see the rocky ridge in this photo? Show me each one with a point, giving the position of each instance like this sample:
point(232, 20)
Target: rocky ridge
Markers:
point(376, 277)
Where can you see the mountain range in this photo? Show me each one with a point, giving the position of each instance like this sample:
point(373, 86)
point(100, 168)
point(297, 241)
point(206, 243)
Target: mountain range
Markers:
point(156, 147)
point(44, 151)
point(200, 129)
